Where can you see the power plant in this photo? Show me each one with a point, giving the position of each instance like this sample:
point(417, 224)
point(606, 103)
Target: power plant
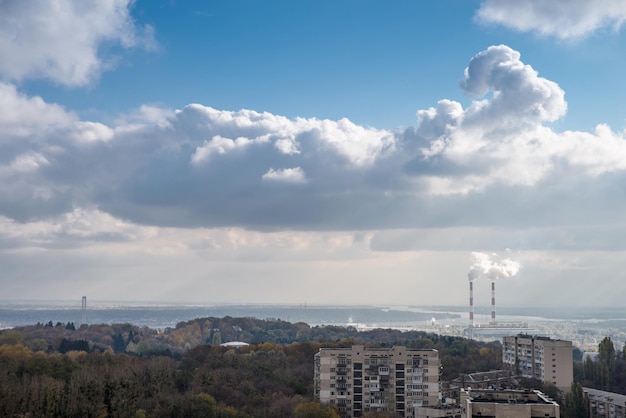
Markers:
point(485, 267)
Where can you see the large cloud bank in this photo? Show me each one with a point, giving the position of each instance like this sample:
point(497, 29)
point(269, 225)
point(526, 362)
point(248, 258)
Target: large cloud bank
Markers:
point(200, 166)
point(491, 163)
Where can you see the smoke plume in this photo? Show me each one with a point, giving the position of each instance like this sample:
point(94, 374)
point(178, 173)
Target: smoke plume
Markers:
point(491, 267)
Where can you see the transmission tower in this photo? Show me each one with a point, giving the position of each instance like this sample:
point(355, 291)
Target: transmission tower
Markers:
point(83, 318)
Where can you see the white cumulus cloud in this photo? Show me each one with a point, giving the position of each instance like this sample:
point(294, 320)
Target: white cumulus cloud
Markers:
point(504, 138)
point(28, 117)
point(564, 19)
point(62, 40)
point(290, 175)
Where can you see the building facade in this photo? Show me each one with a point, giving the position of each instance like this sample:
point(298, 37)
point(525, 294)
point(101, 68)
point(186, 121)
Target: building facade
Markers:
point(540, 358)
point(482, 403)
point(357, 380)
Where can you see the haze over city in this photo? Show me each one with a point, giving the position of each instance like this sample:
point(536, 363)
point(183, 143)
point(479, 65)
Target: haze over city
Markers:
point(319, 152)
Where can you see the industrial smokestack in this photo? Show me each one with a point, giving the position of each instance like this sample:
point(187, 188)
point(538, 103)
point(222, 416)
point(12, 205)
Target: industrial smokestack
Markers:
point(471, 300)
point(493, 303)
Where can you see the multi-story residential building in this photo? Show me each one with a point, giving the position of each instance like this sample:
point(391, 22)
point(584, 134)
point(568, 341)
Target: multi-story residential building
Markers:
point(481, 403)
point(357, 380)
point(605, 404)
point(540, 358)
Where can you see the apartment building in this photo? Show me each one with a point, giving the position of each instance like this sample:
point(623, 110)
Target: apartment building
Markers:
point(481, 403)
point(605, 404)
point(540, 358)
point(357, 380)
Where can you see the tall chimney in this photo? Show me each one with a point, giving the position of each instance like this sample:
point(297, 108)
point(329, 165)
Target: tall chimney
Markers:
point(471, 311)
point(493, 303)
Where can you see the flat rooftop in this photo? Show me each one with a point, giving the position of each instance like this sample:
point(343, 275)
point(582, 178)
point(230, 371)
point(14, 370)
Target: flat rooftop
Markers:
point(508, 396)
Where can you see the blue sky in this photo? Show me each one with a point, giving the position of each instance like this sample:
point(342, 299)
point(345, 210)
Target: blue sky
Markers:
point(372, 62)
point(245, 151)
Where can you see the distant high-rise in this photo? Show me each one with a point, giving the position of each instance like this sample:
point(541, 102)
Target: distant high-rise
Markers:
point(540, 358)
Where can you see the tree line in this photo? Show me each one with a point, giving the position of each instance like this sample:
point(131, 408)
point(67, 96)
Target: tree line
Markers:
point(125, 371)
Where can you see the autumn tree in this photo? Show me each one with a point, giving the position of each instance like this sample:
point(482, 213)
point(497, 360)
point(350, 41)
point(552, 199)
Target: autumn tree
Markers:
point(314, 410)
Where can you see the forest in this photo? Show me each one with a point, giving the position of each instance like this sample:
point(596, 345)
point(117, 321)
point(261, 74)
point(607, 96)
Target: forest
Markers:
point(120, 370)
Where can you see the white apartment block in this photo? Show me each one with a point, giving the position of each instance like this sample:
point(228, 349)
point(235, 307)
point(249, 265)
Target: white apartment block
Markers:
point(357, 380)
point(540, 358)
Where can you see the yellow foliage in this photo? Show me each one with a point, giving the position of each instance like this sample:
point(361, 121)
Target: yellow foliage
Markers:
point(11, 337)
point(14, 350)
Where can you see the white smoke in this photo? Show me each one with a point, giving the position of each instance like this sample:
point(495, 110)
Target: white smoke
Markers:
point(491, 267)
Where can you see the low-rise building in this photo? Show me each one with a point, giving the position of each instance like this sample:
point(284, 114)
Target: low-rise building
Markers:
point(482, 403)
point(493, 379)
point(442, 411)
point(605, 404)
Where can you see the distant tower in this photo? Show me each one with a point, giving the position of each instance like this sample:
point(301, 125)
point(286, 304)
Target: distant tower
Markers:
point(83, 318)
point(493, 303)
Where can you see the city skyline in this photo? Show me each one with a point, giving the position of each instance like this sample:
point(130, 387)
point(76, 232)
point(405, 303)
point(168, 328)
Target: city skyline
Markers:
point(320, 152)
